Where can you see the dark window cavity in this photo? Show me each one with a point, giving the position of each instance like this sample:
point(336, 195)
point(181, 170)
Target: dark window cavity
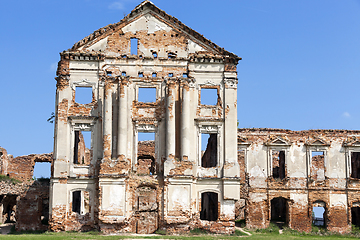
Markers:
point(209, 153)
point(76, 202)
point(82, 147)
point(278, 164)
point(209, 206)
point(171, 55)
point(279, 210)
point(355, 165)
point(355, 214)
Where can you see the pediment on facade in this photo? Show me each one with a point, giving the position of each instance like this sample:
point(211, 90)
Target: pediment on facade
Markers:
point(353, 142)
point(243, 141)
point(317, 142)
point(155, 29)
point(278, 141)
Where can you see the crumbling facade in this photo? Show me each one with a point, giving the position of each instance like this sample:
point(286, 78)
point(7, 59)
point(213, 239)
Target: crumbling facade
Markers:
point(21, 196)
point(289, 173)
point(114, 181)
point(148, 76)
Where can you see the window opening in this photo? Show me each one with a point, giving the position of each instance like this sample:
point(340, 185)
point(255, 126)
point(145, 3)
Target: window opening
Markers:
point(45, 211)
point(146, 206)
point(123, 74)
point(209, 206)
point(170, 74)
point(108, 73)
point(319, 214)
point(171, 55)
point(355, 165)
point(82, 147)
point(134, 46)
point(208, 153)
point(147, 94)
point(317, 171)
point(9, 208)
point(76, 201)
point(83, 95)
point(209, 96)
point(42, 170)
point(185, 75)
point(355, 214)
point(141, 74)
point(154, 54)
point(278, 164)
point(146, 153)
point(241, 161)
point(154, 75)
point(279, 211)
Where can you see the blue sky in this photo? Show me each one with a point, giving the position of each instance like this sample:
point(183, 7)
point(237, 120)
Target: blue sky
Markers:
point(300, 67)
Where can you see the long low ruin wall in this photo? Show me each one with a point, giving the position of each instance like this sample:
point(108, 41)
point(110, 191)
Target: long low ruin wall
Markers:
point(288, 174)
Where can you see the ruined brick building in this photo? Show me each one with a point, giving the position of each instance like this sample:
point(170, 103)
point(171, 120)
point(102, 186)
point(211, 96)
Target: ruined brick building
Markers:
point(285, 175)
point(126, 163)
point(21, 197)
point(121, 184)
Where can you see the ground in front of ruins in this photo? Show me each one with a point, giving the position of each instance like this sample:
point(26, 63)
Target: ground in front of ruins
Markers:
point(268, 234)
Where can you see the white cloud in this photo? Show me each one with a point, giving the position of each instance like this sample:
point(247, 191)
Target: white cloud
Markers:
point(117, 6)
point(53, 67)
point(346, 115)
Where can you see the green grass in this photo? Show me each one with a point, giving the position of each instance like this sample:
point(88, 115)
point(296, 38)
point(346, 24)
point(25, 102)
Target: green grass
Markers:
point(196, 234)
point(4, 178)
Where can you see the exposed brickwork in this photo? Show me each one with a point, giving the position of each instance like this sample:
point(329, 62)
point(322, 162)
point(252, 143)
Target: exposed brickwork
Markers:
point(301, 193)
point(33, 204)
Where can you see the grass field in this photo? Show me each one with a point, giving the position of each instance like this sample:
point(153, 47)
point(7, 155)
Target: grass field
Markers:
point(267, 234)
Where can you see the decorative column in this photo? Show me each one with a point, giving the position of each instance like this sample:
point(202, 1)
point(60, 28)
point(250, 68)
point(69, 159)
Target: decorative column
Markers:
point(122, 119)
point(170, 120)
point(185, 121)
point(107, 121)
